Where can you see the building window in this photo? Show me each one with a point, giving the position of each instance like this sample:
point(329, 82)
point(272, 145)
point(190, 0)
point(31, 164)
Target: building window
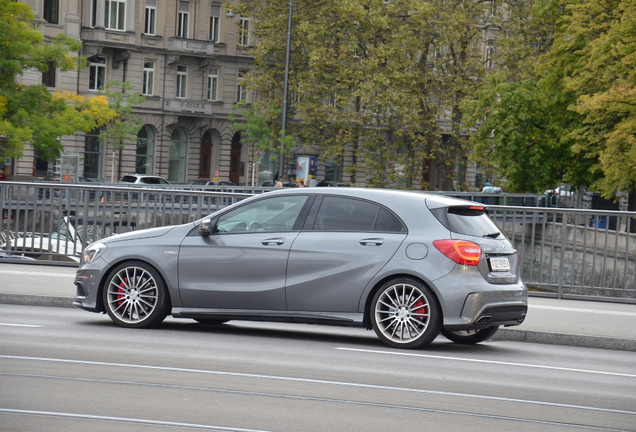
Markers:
point(182, 79)
point(150, 20)
point(115, 14)
point(149, 78)
point(490, 51)
point(178, 153)
point(97, 73)
point(93, 156)
point(214, 23)
point(51, 11)
point(144, 159)
point(244, 32)
point(241, 90)
point(48, 76)
point(182, 23)
point(213, 83)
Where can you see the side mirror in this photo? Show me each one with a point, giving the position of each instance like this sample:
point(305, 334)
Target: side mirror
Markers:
point(205, 229)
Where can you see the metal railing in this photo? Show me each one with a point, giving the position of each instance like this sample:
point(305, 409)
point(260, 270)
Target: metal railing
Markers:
point(563, 252)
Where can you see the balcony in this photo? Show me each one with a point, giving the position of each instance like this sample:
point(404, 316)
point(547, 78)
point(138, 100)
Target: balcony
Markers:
point(194, 46)
point(108, 37)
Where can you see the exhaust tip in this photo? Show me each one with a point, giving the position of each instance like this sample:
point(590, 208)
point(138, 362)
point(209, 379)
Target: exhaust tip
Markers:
point(485, 319)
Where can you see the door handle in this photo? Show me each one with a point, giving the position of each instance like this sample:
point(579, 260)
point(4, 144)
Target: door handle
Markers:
point(372, 242)
point(273, 241)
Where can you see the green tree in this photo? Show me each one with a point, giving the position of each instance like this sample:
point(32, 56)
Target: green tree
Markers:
point(122, 127)
point(31, 113)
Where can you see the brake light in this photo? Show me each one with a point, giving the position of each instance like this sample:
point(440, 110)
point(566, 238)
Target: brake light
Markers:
point(461, 251)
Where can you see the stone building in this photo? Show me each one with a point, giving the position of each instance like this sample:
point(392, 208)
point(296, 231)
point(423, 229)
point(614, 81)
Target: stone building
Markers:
point(185, 57)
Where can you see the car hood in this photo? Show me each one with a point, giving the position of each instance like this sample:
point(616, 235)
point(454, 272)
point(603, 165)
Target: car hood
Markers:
point(134, 235)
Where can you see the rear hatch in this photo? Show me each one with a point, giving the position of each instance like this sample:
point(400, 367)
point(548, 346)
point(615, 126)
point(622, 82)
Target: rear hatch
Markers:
point(498, 263)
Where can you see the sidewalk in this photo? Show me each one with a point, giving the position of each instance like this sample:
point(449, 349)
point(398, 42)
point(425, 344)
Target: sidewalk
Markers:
point(550, 321)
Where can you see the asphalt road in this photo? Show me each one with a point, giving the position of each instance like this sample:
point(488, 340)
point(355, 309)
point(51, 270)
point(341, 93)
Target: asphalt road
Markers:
point(64, 369)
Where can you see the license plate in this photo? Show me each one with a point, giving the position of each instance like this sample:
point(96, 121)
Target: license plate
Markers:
point(499, 264)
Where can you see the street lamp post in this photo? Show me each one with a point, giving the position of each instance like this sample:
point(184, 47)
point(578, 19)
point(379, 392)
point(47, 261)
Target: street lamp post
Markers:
point(281, 167)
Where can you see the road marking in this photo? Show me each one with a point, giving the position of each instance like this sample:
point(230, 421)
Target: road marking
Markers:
point(36, 273)
point(405, 354)
point(596, 311)
point(127, 420)
point(19, 325)
point(317, 381)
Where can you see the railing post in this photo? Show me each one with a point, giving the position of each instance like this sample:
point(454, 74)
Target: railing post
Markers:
point(561, 278)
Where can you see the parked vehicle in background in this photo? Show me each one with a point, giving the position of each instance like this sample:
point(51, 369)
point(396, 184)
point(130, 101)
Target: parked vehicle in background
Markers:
point(208, 182)
point(333, 183)
point(144, 179)
point(408, 265)
point(66, 242)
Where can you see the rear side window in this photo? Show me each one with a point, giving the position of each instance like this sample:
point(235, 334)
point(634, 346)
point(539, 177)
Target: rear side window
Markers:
point(346, 214)
point(467, 220)
point(128, 179)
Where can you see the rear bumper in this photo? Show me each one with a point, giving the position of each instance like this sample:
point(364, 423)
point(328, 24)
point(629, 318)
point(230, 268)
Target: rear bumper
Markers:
point(492, 308)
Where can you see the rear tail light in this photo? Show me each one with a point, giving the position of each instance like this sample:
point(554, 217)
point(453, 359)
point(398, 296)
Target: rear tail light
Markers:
point(461, 251)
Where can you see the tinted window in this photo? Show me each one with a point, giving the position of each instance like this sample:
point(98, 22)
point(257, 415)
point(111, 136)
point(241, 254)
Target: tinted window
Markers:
point(345, 214)
point(471, 220)
point(273, 214)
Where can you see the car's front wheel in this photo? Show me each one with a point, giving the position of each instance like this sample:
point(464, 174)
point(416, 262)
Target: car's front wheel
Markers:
point(135, 295)
point(405, 314)
point(468, 337)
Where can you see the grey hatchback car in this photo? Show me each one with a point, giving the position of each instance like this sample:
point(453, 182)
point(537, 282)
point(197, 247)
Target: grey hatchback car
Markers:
point(408, 265)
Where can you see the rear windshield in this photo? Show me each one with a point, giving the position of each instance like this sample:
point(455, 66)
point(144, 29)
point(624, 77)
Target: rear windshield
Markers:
point(468, 220)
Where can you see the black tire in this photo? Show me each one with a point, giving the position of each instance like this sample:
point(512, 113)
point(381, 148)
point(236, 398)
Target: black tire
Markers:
point(135, 295)
point(405, 314)
point(469, 337)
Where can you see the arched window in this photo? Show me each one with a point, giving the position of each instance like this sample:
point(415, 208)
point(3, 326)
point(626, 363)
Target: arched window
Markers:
point(93, 156)
point(178, 156)
point(145, 157)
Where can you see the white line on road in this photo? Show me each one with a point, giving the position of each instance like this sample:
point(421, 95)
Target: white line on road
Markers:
point(595, 311)
point(318, 381)
point(19, 325)
point(37, 273)
point(405, 354)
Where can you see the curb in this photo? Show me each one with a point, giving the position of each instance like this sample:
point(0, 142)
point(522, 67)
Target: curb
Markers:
point(502, 334)
point(574, 340)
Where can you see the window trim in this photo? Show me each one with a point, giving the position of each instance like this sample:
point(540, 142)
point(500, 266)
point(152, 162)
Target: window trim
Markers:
point(120, 16)
point(150, 20)
point(182, 82)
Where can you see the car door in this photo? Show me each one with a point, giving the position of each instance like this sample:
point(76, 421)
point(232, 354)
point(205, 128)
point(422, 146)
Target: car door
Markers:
point(331, 263)
point(242, 263)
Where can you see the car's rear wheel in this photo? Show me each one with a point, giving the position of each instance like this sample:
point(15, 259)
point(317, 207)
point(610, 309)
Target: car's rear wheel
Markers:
point(468, 337)
point(405, 314)
point(135, 295)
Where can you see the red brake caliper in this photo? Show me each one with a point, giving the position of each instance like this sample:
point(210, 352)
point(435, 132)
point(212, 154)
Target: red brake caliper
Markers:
point(120, 297)
point(420, 307)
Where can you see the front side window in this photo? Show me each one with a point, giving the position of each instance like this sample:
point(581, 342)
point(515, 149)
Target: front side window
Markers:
point(182, 77)
point(346, 214)
point(150, 20)
point(149, 78)
point(115, 14)
point(97, 73)
point(214, 23)
point(266, 215)
point(213, 83)
point(182, 19)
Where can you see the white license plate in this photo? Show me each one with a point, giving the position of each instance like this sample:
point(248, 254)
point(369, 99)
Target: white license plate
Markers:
point(499, 264)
